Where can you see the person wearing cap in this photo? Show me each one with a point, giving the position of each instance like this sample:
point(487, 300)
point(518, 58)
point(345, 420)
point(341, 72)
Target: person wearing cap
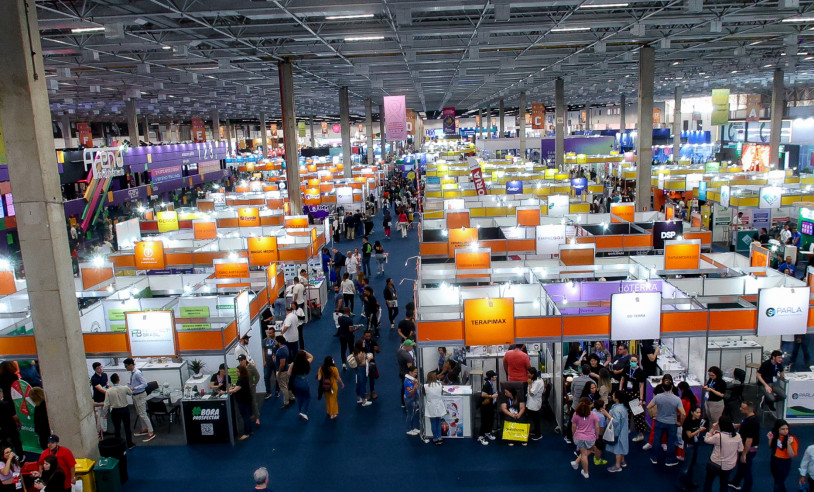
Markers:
point(488, 403)
point(116, 405)
point(65, 460)
point(98, 381)
point(220, 381)
point(406, 360)
point(243, 348)
point(254, 378)
point(138, 385)
point(291, 330)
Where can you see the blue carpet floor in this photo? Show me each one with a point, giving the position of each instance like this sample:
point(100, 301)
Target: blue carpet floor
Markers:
point(367, 449)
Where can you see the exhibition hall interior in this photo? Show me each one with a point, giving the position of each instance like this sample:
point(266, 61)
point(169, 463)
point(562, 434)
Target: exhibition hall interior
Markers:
point(328, 245)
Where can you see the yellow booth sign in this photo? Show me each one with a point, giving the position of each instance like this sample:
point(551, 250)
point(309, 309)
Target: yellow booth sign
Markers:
point(167, 221)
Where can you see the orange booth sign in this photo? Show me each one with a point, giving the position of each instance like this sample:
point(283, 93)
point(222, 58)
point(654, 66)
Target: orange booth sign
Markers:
point(682, 255)
point(7, 284)
point(477, 259)
point(622, 212)
point(262, 250)
point(489, 321)
point(248, 217)
point(528, 216)
point(204, 229)
point(296, 222)
point(149, 255)
point(461, 238)
point(577, 254)
point(458, 219)
point(225, 269)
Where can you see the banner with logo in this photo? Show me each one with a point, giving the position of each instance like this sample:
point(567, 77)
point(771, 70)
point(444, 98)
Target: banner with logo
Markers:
point(149, 255)
point(489, 321)
point(635, 316)
point(248, 217)
point(461, 238)
point(682, 255)
point(225, 269)
point(167, 221)
point(151, 334)
point(198, 130)
point(724, 201)
point(656, 116)
point(579, 185)
point(720, 106)
point(549, 237)
point(274, 130)
point(411, 122)
point(21, 396)
point(207, 421)
point(770, 197)
point(395, 117)
point(537, 116)
point(448, 117)
point(85, 135)
point(262, 250)
point(301, 129)
point(324, 127)
point(473, 259)
point(514, 187)
point(558, 205)
point(477, 176)
point(782, 311)
point(666, 231)
point(164, 174)
point(753, 107)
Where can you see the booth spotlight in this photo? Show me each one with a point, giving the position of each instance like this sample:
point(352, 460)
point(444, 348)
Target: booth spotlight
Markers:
point(5, 265)
point(679, 238)
point(233, 256)
point(444, 233)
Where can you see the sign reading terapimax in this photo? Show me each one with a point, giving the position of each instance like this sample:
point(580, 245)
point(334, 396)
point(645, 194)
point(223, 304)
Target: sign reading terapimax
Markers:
point(783, 311)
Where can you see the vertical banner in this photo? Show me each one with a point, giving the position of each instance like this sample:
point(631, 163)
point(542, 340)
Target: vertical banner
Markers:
point(537, 116)
point(198, 130)
point(410, 122)
point(395, 118)
point(720, 106)
point(448, 117)
point(85, 135)
point(656, 116)
point(301, 129)
point(3, 159)
point(477, 176)
point(324, 126)
point(753, 107)
point(274, 130)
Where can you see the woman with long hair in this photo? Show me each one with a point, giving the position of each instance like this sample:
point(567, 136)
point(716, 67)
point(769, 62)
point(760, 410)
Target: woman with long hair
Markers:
point(690, 429)
point(783, 447)
point(243, 397)
point(715, 388)
point(391, 299)
point(621, 444)
point(298, 376)
point(589, 391)
point(586, 430)
point(434, 407)
point(360, 355)
point(534, 402)
point(727, 445)
point(52, 478)
point(378, 252)
point(9, 471)
point(329, 379)
point(605, 384)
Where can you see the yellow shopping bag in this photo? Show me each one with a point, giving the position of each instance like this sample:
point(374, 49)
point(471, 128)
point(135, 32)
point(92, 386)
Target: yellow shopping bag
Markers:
point(513, 431)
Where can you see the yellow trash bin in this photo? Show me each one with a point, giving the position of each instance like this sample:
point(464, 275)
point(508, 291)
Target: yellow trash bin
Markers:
point(84, 472)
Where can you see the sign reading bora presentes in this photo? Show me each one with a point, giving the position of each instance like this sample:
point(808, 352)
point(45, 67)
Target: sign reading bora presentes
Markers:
point(623, 212)
point(480, 259)
point(682, 255)
point(262, 250)
point(461, 238)
point(782, 311)
point(167, 221)
point(149, 255)
point(636, 316)
point(151, 333)
point(489, 321)
point(204, 229)
point(248, 217)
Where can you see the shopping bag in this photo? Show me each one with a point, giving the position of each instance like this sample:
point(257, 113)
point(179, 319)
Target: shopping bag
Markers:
point(608, 435)
point(77, 487)
point(513, 431)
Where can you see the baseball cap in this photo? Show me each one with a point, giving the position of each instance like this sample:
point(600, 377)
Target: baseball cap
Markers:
point(246, 336)
point(241, 358)
point(409, 343)
point(53, 438)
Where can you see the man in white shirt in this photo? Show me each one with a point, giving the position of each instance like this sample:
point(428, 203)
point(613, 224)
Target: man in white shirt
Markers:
point(291, 331)
point(243, 348)
point(298, 293)
point(785, 234)
point(348, 292)
point(351, 264)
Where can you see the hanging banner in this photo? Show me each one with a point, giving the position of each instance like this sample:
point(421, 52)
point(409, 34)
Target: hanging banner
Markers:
point(198, 130)
point(167, 221)
point(85, 135)
point(537, 116)
point(770, 197)
point(720, 106)
point(324, 126)
point(411, 123)
point(301, 129)
point(782, 311)
point(682, 255)
point(656, 116)
point(262, 250)
point(274, 130)
point(448, 117)
point(477, 176)
point(579, 185)
point(724, 201)
point(635, 316)
point(395, 118)
point(248, 217)
point(753, 107)
point(149, 255)
point(558, 205)
point(489, 321)
point(164, 174)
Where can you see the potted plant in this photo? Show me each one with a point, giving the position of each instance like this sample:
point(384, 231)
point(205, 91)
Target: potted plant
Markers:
point(196, 366)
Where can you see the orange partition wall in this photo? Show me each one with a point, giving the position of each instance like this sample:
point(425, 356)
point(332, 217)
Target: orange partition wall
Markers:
point(684, 321)
point(733, 320)
point(108, 343)
point(90, 276)
point(440, 331)
point(638, 241)
point(433, 249)
point(18, 347)
point(520, 245)
point(609, 242)
point(206, 340)
point(581, 326)
point(456, 220)
point(704, 236)
point(538, 327)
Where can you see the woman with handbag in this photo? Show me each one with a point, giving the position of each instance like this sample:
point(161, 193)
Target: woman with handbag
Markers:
point(434, 407)
point(620, 446)
point(391, 299)
point(488, 400)
point(726, 447)
point(329, 379)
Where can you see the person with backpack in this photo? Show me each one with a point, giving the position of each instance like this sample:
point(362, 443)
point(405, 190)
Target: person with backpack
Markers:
point(338, 263)
point(387, 222)
point(329, 381)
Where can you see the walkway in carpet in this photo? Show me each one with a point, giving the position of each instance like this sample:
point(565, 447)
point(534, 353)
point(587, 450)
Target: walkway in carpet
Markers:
point(366, 448)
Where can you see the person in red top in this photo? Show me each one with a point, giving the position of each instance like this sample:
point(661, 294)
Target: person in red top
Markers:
point(516, 363)
point(64, 457)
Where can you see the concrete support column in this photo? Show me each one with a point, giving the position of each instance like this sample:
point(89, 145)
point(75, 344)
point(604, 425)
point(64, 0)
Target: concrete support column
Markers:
point(132, 121)
point(344, 123)
point(313, 137)
point(41, 226)
point(644, 146)
point(369, 130)
point(381, 129)
point(146, 129)
point(501, 115)
point(229, 140)
point(292, 168)
point(264, 138)
point(521, 125)
point(559, 123)
point(480, 124)
point(489, 123)
point(677, 125)
point(66, 130)
point(623, 107)
point(778, 107)
point(216, 125)
point(588, 117)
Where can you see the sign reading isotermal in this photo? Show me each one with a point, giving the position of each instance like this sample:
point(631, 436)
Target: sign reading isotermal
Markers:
point(636, 316)
point(783, 311)
point(151, 333)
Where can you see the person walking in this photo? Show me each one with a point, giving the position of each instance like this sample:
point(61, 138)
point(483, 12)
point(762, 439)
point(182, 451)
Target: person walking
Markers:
point(807, 468)
point(749, 430)
point(406, 359)
point(633, 383)
point(116, 405)
point(348, 292)
point(345, 332)
point(620, 446)
point(138, 385)
point(367, 253)
point(391, 298)
point(298, 373)
point(387, 222)
point(434, 407)
point(726, 446)
point(690, 430)
point(715, 388)
point(403, 223)
point(329, 382)
point(372, 308)
point(783, 446)
point(381, 257)
point(361, 374)
point(269, 372)
point(669, 411)
point(282, 359)
point(586, 430)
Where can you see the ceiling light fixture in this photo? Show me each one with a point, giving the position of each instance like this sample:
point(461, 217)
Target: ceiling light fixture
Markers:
point(81, 30)
point(800, 20)
point(364, 38)
point(570, 29)
point(604, 6)
point(351, 16)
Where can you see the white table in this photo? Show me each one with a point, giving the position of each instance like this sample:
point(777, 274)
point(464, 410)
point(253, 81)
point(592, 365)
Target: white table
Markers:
point(172, 373)
point(732, 354)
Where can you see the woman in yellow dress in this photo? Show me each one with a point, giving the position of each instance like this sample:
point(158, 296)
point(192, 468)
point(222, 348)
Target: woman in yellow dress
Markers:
point(329, 379)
